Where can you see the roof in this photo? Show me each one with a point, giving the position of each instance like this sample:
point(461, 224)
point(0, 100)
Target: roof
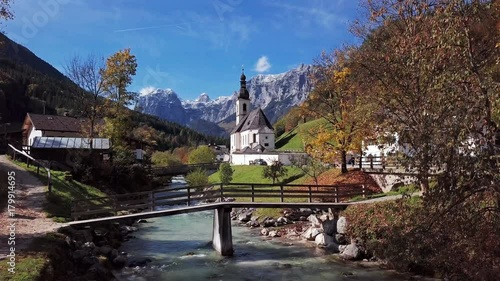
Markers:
point(70, 143)
point(255, 120)
point(56, 123)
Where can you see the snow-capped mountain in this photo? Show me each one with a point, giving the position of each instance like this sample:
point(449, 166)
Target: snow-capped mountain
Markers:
point(274, 93)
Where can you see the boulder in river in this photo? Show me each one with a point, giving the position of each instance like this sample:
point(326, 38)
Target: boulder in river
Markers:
point(264, 231)
point(323, 240)
point(329, 227)
point(245, 217)
point(342, 225)
point(311, 233)
point(351, 252)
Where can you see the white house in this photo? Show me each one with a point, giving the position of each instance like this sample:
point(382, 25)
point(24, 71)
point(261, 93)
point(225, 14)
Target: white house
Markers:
point(253, 135)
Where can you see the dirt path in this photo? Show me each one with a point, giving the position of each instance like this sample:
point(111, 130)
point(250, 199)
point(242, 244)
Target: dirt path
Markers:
point(30, 219)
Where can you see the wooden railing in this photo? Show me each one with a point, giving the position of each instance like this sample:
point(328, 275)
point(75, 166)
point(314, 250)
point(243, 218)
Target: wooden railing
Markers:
point(15, 152)
point(245, 192)
point(375, 162)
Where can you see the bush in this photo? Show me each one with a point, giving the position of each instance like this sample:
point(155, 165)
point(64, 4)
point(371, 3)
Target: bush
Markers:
point(225, 173)
point(202, 154)
point(165, 158)
point(459, 242)
point(198, 177)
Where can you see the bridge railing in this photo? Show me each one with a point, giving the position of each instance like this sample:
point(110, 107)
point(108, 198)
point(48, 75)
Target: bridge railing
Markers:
point(190, 195)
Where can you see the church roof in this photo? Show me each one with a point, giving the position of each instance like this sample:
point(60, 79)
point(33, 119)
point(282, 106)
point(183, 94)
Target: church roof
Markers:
point(255, 120)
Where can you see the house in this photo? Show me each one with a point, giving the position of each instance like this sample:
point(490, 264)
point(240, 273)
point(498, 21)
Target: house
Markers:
point(61, 138)
point(37, 125)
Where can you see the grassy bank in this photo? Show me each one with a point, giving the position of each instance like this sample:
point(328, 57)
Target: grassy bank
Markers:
point(45, 259)
point(64, 191)
point(294, 139)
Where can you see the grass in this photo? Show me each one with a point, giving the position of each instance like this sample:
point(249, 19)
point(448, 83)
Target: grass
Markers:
point(406, 189)
point(42, 260)
point(64, 191)
point(253, 174)
point(294, 139)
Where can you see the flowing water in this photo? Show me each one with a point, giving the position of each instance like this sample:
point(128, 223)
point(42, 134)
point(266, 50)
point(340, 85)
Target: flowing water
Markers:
point(180, 247)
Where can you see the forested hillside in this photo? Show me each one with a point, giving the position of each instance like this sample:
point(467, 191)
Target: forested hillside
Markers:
point(29, 84)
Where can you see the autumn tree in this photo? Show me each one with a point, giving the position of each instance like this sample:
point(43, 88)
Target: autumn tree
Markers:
point(428, 64)
point(164, 158)
point(274, 171)
point(336, 99)
point(117, 76)
point(86, 73)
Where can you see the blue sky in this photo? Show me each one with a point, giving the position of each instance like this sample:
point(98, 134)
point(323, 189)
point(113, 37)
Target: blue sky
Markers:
point(189, 46)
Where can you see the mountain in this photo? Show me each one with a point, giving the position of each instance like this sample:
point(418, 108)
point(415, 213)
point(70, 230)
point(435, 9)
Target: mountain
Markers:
point(29, 84)
point(274, 93)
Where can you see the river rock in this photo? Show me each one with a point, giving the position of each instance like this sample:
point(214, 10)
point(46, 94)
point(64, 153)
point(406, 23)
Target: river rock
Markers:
point(314, 220)
point(340, 238)
point(264, 231)
point(268, 222)
point(245, 217)
point(139, 262)
point(351, 252)
point(302, 218)
point(305, 211)
point(329, 226)
point(273, 233)
point(89, 261)
point(104, 250)
point(78, 255)
point(253, 223)
point(342, 225)
point(342, 248)
point(98, 272)
point(323, 240)
point(120, 261)
point(311, 233)
point(89, 245)
point(282, 220)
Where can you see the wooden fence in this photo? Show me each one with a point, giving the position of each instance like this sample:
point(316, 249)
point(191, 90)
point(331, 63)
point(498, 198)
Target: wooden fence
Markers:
point(15, 152)
point(245, 192)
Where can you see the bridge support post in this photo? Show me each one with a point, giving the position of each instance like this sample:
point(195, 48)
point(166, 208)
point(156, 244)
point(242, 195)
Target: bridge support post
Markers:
point(222, 238)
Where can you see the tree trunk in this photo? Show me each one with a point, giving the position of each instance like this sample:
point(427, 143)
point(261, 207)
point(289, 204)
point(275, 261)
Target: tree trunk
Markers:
point(343, 161)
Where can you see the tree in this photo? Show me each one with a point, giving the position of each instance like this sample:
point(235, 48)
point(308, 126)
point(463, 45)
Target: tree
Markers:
point(309, 165)
point(337, 99)
point(87, 74)
point(274, 171)
point(117, 76)
point(198, 177)
point(5, 11)
point(428, 66)
point(225, 173)
point(164, 158)
point(201, 155)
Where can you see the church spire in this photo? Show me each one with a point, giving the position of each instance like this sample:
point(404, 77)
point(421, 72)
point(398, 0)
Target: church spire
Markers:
point(243, 86)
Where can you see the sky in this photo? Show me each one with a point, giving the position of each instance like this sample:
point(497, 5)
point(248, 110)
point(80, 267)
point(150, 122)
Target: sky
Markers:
point(190, 46)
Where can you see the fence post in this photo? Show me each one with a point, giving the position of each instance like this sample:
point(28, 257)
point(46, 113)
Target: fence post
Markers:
point(221, 193)
point(383, 163)
point(371, 162)
point(281, 191)
point(360, 162)
point(253, 193)
point(152, 201)
point(310, 194)
point(336, 195)
point(38, 169)
point(189, 196)
point(363, 189)
point(14, 156)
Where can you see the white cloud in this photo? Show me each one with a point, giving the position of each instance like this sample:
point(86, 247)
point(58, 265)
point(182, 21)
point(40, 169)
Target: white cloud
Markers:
point(147, 90)
point(262, 64)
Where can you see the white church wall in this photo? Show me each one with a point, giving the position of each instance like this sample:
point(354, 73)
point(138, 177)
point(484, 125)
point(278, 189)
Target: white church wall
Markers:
point(268, 139)
point(244, 159)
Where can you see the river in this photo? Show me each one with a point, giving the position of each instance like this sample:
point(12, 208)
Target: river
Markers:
point(180, 247)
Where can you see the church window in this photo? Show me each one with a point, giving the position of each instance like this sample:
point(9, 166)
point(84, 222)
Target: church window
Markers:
point(266, 137)
point(254, 138)
point(266, 144)
point(244, 107)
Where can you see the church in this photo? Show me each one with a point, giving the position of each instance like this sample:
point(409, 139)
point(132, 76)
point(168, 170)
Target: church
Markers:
point(253, 136)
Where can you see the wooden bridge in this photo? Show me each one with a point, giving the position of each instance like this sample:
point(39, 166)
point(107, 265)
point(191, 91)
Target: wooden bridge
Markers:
point(218, 197)
point(182, 169)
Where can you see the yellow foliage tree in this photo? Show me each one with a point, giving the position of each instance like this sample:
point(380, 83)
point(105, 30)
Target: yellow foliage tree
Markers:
point(337, 99)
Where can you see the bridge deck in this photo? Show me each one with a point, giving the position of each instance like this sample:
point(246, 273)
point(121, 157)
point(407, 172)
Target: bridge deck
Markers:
point(211, 206)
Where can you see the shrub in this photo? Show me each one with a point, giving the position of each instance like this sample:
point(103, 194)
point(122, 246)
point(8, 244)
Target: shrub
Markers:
point(198, 177)
point(274, 171)
point(459, 241)
point(225, 173)
point(165, 158)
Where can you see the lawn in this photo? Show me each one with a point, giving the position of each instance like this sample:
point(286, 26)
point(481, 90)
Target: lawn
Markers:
point(64, 191)
point(253, 174)
point(294, 139)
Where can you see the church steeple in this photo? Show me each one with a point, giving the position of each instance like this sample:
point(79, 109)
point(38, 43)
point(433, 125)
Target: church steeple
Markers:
point(243, 86)
point(243, 102)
